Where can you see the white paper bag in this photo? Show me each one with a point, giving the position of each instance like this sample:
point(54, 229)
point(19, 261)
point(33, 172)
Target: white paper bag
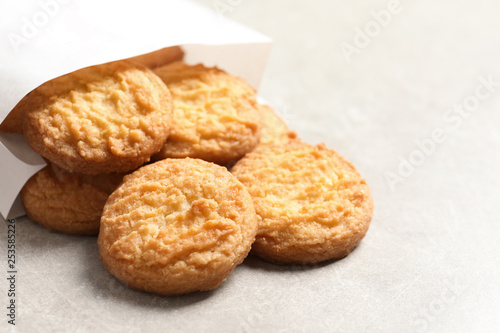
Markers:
point(43, 39)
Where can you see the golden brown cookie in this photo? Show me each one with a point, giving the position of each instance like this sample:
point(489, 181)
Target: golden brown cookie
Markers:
point(177, 226)
point(313, 204)
point(67, 202)
point(13, 122)
point(100, 119)
point(215, 114)
point(274, 128)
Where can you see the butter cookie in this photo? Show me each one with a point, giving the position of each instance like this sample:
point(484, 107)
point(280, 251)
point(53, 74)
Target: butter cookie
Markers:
point(100, 119)
point(215, 114)
point(313, 204)
point(177, 226)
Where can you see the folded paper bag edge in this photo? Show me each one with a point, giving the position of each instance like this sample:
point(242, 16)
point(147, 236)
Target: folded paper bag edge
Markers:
point(18, 166)
point(15, 172)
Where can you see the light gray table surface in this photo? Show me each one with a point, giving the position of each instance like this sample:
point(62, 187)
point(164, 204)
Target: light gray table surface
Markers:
point(412, 98)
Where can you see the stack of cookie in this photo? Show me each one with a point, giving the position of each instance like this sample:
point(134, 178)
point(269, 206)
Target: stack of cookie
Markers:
point(181, 173)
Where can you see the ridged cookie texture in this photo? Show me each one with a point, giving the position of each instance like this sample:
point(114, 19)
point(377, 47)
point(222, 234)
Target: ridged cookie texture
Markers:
point(177, 226)
point(100, 119)
point(67, 202)
point(313, 204)
point(215, 114)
